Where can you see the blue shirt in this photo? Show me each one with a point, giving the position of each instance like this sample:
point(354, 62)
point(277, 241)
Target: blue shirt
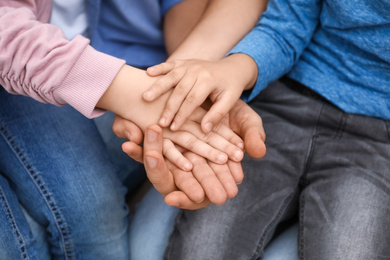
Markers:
point(340, 49)
point(132, 30)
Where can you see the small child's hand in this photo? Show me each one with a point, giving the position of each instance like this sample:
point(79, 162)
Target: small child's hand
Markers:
point(217, 146)
point(194, 81)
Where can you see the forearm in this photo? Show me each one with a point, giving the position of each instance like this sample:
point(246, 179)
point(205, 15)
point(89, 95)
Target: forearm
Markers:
point(36, 60)
point(124, 97)
point(221, 26)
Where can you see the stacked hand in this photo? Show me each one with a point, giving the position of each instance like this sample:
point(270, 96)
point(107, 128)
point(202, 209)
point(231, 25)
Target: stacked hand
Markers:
point(207, 182)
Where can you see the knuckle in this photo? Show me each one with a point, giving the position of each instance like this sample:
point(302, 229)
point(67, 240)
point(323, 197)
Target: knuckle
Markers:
point(191, 98)
point(191, 142)
point(208, 137)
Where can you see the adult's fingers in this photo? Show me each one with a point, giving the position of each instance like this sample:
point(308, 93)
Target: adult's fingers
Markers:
point(248, 124)
point(155, 166)
point(133, 150)
point(124, 128)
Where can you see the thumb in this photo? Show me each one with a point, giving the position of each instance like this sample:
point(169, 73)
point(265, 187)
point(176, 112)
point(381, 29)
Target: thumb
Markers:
point(155, 166)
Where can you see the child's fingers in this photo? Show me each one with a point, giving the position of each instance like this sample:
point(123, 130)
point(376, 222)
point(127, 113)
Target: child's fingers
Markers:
point(217, 112)
point(221, 129)
point(187, 183)
point(229, 135)
point(192, 143)
point(160, 69)
point(164, 84)
point(174, 102)
point(236, 171)
point(133, 150)
point(216, 141)
point(194, 99)
point(175, 156)
point(205, 175)
point(222, 172)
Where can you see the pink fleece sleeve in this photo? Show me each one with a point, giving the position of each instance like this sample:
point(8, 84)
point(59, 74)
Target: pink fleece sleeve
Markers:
point(36, 60)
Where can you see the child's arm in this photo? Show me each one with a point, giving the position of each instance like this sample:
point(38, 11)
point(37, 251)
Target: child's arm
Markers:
point(124, 97)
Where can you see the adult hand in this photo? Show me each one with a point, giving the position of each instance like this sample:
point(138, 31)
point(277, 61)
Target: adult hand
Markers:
point(248, 125)
point(188, 190)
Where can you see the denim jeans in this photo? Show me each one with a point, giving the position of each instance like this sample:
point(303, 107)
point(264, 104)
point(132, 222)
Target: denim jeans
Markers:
point(153, 221)
point(55, 164)
point(330, 167)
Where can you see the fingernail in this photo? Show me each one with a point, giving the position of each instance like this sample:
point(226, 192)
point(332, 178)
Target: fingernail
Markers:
point(173, 126)
point(240, 145)
point(222, 158)
point(148, 95)
point(200, 200)
point(128, 135)
point(208, 127)
point(162, 121)
point(152, 162)
point(187, 167)
point(151, 135)
point(151, 69)
point(238, 155)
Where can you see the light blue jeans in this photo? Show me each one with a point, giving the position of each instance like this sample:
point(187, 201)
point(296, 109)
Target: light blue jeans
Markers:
point(55, 165)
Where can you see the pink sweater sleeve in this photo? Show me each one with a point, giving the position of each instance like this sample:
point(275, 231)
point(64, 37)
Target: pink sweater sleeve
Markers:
point(36, 60)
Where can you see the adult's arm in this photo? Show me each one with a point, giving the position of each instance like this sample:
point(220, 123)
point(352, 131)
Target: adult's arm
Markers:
point(208, 29)
point(37, 60)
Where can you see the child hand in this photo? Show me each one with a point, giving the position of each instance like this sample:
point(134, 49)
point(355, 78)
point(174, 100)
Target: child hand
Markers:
point(209, 146)
point(195, 80)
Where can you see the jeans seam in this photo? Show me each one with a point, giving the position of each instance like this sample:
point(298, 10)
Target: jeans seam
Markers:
point(273, 223)
point(48, 198)
point(14, 226)
point(387, 122)
point(301, 242)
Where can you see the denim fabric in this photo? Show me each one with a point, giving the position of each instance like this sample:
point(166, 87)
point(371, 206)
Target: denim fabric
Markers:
point(150, 227)
point(330, 166)
point(153, 221)
point(284, 246)
point(54, 163)
point(131, 173)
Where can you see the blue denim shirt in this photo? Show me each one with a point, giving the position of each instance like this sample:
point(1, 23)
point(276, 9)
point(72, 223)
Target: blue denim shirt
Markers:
point(341, 49)
point(130, 30)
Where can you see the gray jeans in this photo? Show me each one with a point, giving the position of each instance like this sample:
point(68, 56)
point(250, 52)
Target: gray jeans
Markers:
point(329, 167)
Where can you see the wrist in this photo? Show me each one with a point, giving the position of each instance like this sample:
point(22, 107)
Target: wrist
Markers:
point(124, 97)
point(246, 69)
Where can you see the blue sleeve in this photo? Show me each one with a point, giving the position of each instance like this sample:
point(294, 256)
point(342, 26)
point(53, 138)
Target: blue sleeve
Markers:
point(166, 4)
point(278, 39)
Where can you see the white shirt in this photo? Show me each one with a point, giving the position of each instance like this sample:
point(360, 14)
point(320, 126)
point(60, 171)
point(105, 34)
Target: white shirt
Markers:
point(70, 16)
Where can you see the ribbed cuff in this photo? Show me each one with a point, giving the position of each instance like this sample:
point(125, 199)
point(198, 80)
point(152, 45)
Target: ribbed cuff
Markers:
point(87, 81)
